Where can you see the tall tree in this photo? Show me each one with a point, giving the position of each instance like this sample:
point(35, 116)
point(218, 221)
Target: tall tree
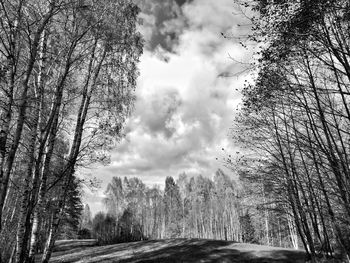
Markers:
point(296, 114)
point(194, 207)
point(73, 64)
point(172, 209)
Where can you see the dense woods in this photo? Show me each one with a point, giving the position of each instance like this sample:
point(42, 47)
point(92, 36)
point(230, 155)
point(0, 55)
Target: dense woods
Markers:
point(67, 76)
point(294, 123)
point(190, 207)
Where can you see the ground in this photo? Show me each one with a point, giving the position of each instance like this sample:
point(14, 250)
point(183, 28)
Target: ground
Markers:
point(172, 250)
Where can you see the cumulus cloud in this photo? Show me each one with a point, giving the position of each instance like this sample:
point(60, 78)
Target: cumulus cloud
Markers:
point(156, 111)
point(185, 104)
point(162, 23)
point(181, 2)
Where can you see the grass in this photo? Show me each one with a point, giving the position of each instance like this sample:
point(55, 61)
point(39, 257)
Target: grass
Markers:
point(172, 250)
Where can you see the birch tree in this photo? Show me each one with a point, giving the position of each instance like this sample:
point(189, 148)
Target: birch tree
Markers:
point(296, 114)
point(68, 74)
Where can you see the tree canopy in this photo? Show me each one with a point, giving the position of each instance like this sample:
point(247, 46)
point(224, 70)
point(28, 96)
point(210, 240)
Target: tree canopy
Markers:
point(295, 117)
point(68, 73)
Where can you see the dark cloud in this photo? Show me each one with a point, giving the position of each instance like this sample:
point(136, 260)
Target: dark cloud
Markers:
point(181, 2)
point(163, 22)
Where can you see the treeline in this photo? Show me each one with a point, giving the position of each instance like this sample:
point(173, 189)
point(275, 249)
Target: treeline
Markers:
point(67, 76)
point(191, 207)
point(295, 119)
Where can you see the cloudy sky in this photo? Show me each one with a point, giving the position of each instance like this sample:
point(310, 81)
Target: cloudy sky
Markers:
point(186, 94)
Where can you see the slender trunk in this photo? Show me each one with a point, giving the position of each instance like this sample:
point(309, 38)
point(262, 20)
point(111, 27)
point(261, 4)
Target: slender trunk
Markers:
point(332, 159)
point(5, 126)
point(3, 144)
point(49, 137)
point(74, 151)
point(292, 232)
point(50, 242)
point(22, 107)
point(24, 224)
point(183, 219)
point(42, 192)
point(293, 196)
point(13, 253)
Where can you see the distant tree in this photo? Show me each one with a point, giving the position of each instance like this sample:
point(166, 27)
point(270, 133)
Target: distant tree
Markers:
point(247, 228)
point(194, 207)
point(129, 228)
point(85, 220)
point(172, 209)
point(153, 213)
point(183, 183)
point(84, 233)
point(115, 201)
point(69, 226)
point(104, 227)
point(227, 206)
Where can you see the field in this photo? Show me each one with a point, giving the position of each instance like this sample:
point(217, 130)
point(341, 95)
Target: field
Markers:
point(172, 250)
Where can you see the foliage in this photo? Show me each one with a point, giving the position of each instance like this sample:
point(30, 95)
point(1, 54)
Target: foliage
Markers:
point(70, 220)
point(107, 229)
point(68, 73)
point(294, 120)
point(248, 235)
point(84, 233)
point(104, 228)
point(172, 209)
point(85, 220)
point(191, 207)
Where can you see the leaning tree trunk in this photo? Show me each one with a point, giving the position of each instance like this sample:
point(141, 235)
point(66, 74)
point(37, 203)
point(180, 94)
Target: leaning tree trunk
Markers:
point(49, 139)
point(5, 125)
point(42, 194)
point(50, 242)
point(24, 224)
point(72, 159)
point(22, 108)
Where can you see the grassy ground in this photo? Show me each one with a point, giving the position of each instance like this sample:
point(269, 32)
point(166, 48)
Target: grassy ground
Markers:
point(173, 250)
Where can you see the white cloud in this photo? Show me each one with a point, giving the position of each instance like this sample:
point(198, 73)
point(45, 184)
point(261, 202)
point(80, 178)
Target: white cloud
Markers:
point(184, 108)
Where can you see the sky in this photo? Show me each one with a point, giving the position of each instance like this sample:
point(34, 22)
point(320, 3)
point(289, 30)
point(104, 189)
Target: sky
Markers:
point(186, 93)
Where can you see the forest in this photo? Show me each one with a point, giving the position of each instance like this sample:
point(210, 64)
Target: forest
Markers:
point(68, 74)
point(190, 207)
point(294, 120)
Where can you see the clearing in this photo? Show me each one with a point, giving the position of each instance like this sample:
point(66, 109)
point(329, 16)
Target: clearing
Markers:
point(172, 250)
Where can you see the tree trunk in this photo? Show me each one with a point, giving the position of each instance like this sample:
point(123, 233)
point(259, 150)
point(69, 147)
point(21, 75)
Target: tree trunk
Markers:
point(50, 242)
point(42, 193)
point(22, 108)
point(24, 222)
point(73, 155)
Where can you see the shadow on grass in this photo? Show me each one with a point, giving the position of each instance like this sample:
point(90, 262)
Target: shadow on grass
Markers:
point(180, 250)
point(64, 245)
